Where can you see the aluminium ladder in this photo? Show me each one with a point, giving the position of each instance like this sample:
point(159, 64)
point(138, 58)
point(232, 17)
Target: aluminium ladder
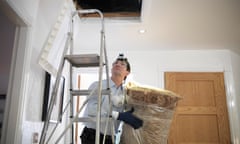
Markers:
point(78, 61)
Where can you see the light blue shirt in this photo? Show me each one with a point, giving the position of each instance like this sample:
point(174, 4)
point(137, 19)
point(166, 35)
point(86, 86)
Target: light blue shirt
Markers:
point(117, 98)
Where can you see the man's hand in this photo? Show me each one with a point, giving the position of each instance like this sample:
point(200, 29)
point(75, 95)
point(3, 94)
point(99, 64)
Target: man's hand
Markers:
point(130, 119)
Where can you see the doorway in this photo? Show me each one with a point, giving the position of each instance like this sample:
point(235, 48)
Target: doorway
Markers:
point(7, 35)
point(18, 30)
point(202, 115)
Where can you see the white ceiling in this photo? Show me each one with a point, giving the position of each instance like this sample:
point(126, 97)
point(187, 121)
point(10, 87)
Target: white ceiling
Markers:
point(211, 24)
point(185, 24)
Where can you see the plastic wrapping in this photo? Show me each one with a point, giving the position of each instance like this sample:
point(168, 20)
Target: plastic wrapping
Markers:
point(156, 108)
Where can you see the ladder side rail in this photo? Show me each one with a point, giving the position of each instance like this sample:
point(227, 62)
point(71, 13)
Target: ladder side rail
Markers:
point(109, 119)
point(100, 73)
point(106, 61)
point(70, 75)
point(71, 101)
point(97, 136)
point(54, 93)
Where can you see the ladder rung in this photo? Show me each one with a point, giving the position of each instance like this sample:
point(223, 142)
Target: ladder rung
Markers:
point(89, 119)
point(87, 92)
point(83, 60)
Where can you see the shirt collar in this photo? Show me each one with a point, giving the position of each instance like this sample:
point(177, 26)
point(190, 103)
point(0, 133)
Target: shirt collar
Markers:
point(112, 84)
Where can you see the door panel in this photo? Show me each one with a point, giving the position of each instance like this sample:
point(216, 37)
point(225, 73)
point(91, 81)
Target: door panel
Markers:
point(201, 116)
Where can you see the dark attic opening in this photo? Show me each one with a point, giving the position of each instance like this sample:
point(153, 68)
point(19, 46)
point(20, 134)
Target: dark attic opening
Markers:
point(112, 8)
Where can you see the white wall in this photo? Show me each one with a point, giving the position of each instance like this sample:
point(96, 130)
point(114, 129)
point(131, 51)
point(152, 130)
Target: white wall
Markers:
point(147, 65)
point(45, 19)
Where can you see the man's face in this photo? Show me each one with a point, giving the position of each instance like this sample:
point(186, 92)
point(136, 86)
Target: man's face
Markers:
point(120, 68)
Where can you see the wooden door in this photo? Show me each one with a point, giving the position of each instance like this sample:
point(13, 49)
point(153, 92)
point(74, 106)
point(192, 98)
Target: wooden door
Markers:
point(201, 116)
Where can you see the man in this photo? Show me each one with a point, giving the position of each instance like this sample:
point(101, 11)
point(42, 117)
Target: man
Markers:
point(120, 70)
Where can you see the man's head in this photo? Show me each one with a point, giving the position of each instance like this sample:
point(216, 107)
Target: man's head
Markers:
point(121, 67)
point(124, 59)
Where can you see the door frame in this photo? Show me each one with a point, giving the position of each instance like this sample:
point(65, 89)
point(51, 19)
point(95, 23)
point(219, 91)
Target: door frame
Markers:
point(18, 79)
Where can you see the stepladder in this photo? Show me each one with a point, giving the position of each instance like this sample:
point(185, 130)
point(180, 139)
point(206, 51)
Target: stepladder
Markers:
point(98, 59)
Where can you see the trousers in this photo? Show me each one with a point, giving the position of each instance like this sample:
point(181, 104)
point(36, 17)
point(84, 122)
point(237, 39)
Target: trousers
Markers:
point(88, 137)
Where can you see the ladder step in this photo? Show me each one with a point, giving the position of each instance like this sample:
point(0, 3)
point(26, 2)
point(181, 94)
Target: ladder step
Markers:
point(83, 60)
point(87, 92)
point(91, 119)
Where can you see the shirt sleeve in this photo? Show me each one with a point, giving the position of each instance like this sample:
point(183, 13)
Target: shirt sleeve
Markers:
point(93, 102)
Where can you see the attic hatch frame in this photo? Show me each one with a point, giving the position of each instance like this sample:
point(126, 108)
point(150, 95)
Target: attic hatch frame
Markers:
point(132, 11)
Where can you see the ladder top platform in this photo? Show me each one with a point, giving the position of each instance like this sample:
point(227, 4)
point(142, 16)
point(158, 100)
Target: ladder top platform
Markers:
point(83, 60)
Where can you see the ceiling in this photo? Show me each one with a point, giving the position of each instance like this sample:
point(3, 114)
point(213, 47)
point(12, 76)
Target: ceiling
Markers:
point(213, 24)
point(188, 24)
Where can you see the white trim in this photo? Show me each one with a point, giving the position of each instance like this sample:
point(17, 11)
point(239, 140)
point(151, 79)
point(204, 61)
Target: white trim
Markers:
point(232, 107)
point(192, 69)
point(13, 118)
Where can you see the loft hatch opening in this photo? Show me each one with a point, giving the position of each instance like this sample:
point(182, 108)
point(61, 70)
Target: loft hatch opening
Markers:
point(112, 8)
